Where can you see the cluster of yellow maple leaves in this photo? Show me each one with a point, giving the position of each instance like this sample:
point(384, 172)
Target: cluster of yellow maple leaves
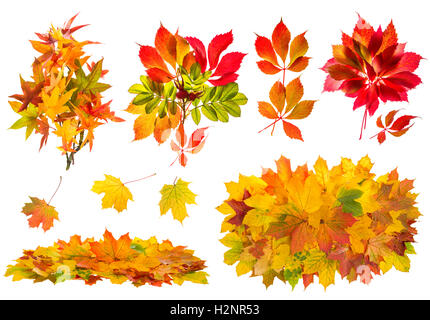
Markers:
point(298, 224)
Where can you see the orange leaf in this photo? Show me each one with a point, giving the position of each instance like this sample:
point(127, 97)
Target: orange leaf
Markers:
point(302, 109)
point(299, 47)
point(292, 131)
point(267, 110)
point(165, 42)
point(111, 249)
point(151, 58)
point(277, 96)
point(299, 65)
point(159, 75)
point(294, 92)
point(281, 39)
point(267, 67)
point(40, 212)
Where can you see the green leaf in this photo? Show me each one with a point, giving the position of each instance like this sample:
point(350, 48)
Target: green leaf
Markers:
point(222, 115)
point(28, 119)
point(137, 88)
point(209, 112)
point(196, 115)
point(151, 105)
point(195, 71)
point(173, 107)
point(162, 109)
point(347, 198)
point(142, 98)
point(240, 99)
point(232, 108)
point(230, 91)
point(94, 75)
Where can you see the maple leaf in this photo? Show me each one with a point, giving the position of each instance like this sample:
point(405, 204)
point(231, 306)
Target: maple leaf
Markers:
point(110, 250)
point(116, 194)
point(371, 66)
point(31, 94)
point(41, 213)
point(175, 197)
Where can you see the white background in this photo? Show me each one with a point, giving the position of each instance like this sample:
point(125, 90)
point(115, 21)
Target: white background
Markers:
point(331, 131)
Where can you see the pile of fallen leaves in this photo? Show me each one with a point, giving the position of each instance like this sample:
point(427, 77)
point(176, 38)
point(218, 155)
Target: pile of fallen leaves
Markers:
point(139, 261)
point(305, 223)
point(62, 98)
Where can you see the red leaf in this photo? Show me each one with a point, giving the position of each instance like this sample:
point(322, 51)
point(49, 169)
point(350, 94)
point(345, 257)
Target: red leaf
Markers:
point(406, 79)
point(292, 131)
point(159, 75)
point(267, 67)
point(218, 44)
point(390, 117)
point(199, 50)
point(265, 50)
point(183, 159)
point(401, 123)
point(151, 58)
point(229, 63)
point(381, 137)
point(225, 79)
point(197, 137)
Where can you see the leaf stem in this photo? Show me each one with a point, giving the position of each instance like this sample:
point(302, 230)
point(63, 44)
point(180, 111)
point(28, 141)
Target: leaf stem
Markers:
point(58, 187)
point(141, 178)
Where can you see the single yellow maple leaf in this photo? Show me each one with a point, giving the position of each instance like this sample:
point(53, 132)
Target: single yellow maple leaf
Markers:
point(116, 193)
point(174, 197)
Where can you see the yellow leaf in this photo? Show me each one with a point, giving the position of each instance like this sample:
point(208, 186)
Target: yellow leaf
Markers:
point(317, 262)
point(359, 231)
point(401, 263)
point(174, 197)
point(252, 184)
point(116, 193)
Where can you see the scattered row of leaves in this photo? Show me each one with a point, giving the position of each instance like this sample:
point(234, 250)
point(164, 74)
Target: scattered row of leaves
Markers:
point(178, 85)
point(62, 98)
point(372, 66)
point(299, 224)
point(139, 261)
point(286, 103)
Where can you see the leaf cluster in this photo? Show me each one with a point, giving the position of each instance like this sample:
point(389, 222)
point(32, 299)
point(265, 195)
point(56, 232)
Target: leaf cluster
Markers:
point(300, 224)
point(119, 260)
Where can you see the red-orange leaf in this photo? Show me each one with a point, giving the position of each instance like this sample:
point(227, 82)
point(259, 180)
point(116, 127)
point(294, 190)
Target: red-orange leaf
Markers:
point(281, 40)
point(150, 58)
point(40, 212)
point(267, 67)
point(292, 131)
point(299, 47)
point(165, 42)
point(110, 249)
point(265, 50)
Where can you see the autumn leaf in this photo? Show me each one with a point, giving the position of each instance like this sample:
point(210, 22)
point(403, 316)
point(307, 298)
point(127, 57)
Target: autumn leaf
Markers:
point(396, 128)
point(116, 194)
point(175, 197)
point(40, 213)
